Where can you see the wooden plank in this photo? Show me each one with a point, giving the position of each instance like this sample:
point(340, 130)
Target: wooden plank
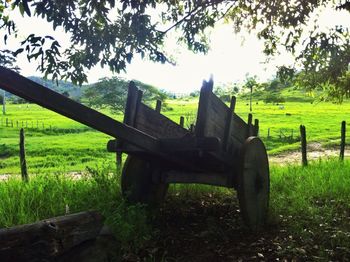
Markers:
point(217, 179)
point(49, 238)
point(34, 92)
point(208, 144)
point(238, 131)
point(256, 127)
point(226, 141)
point(216, 117)
point(157, 125)
point(131, 104)
point(249, 124)
point(202, 116)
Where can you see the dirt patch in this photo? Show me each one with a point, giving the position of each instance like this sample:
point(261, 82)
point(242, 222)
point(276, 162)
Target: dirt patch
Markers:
point(315, 151)
point(209, 228)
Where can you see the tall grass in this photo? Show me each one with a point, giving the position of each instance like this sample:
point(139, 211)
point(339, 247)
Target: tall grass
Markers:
point(313, 204)
point(47, 196)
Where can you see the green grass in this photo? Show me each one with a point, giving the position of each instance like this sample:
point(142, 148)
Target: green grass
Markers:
point(310, 203)
point(313, 203)
point(63, 145)
point(66, 146)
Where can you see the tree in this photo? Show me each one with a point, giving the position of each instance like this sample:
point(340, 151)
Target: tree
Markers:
point(250, 83)
point(6, 59)
point(111, 33)
point(111, 93)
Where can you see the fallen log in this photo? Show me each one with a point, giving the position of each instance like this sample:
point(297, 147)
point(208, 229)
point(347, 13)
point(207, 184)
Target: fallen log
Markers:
point(48, 238)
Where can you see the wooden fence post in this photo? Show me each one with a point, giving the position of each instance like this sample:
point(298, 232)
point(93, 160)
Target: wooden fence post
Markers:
point(303, 144)
point(22, 156)
point(342, 140)
point(182, 121)
point(158, 106)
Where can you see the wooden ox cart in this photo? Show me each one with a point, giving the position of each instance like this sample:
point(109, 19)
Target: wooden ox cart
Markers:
point(220, 150)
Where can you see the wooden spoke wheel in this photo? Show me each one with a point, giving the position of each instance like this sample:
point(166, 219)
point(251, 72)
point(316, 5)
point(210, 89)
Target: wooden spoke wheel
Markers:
point(137, 182)
point(253, 183)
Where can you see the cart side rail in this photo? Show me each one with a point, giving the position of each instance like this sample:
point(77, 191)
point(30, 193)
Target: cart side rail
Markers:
point(149, 120)
point(216, 119)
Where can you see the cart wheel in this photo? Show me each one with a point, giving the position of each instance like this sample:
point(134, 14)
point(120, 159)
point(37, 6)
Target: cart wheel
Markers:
point(253, 183)
point(137, 185)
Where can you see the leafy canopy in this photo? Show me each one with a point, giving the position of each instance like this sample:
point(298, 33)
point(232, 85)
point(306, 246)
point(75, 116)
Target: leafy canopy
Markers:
point(111, 33)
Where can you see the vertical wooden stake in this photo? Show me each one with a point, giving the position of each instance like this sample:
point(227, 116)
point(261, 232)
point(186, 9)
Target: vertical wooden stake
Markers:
point(268, 133)
point(22, 156)
point(182, 121)
point(256, 127)
point(119, 159)
point(249, 124)
point(342, 140)
point(228, 126)
point(303, 145)
point(158, 106)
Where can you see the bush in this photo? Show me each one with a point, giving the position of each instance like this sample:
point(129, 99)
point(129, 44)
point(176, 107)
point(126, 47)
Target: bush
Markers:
point(274, 98)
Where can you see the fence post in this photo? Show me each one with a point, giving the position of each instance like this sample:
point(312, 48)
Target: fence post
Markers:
point(182, 121)
point(158, 106)
point(22, 156)
point(342, 140)
point(303, 144)
point(268, 133)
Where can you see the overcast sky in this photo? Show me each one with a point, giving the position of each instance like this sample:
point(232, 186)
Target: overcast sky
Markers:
point(229, 59)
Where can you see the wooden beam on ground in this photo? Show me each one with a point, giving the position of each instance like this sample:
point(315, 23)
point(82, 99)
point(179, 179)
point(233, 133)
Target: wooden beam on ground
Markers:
point(49, 238)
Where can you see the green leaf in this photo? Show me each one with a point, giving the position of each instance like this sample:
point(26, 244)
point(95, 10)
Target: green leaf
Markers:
point(18, 51)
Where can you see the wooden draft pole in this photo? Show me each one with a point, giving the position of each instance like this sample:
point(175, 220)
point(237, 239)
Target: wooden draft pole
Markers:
point(34, 92)
point(303, 145)
point(342, 140)
point(22, 156)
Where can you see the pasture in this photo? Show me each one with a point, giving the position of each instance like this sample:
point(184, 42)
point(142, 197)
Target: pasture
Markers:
point(308, 205)
point(57, 144)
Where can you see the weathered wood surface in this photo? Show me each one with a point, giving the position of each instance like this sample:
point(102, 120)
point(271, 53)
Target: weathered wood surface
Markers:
point(148, 120)
point(215, 118)
point(157, 125)
point(342, 140)
point(22, 156)
point(217, 179)
point(48, 238)
point(31, 91)
point(303, 145)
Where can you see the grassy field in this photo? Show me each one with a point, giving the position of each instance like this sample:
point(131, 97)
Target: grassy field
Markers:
point(58, 144)
point(309, 212)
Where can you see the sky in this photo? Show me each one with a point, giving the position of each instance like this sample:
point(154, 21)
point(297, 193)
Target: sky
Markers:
point(230, 58)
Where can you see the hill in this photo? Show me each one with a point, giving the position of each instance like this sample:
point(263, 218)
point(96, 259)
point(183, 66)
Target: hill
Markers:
point(62, 87)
